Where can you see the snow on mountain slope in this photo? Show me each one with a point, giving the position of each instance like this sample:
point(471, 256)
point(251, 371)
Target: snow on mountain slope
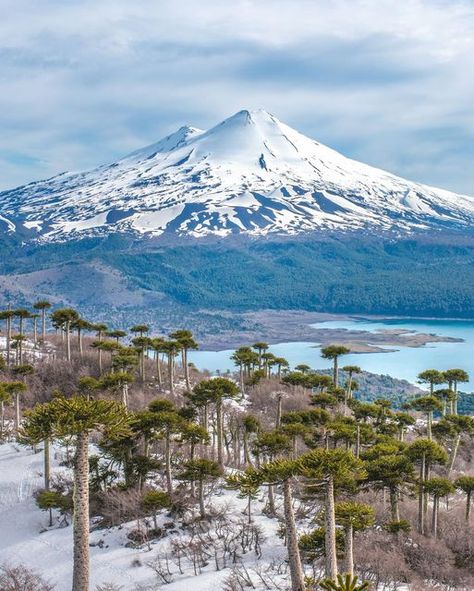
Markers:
point(249, 174)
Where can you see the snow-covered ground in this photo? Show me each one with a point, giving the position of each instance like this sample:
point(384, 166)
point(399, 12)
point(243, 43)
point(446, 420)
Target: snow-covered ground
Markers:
point(25, 538)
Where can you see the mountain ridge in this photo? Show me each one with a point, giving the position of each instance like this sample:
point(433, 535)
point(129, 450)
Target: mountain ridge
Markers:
point(250, 174)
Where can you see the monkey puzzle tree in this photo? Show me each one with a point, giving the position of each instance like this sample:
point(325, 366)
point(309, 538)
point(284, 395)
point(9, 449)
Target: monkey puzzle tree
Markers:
point(217, 390)
point(187, 342)
point(304, 368)
point(116, 334)
point(260, 347)
point(100, 330)
point(451, 430)
point(64, 318)
point(350, 370)
point(282, 472)
point(438, 487)
point(5, 399)
point(453, 377)
point(172, 349)
point(466, 484)
point(81, 325)
point(201, 471)
point(117, 383)
point(250, 425)
point(433, 377)
point(22, 314)
point(402, 420)
point(428, 405)
point(426, 453)
point(77, 417)
point(157, 344)
point(282, 365)
point(353, 517)
point(389, 468)
point(269, 445)
point(154, 501)
point(142, 344)
point(334, 352)
point(8, 315)
point(345, 583)
point(15, 389)
point(248, 484)
point(328, 469)
point(168, 423)
point(42, 306)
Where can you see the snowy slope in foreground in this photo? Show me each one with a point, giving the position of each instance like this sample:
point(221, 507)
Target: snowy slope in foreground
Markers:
point(249, 174)
point(25, 540)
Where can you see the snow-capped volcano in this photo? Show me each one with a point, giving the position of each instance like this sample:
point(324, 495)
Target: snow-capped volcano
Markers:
point(249, 174)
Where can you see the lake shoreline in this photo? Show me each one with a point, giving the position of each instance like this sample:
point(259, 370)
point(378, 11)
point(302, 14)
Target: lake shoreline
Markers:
point(287, 326)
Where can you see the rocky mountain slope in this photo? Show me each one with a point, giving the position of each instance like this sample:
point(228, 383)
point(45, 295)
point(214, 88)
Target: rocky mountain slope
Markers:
point(250, 174)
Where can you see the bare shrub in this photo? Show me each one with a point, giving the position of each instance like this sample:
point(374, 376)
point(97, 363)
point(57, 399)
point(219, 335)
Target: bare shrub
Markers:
point(379, 558)
point(21, 578)
point(118, 506)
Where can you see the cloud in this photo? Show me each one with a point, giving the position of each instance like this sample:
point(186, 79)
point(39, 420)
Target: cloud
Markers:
point(387, 82)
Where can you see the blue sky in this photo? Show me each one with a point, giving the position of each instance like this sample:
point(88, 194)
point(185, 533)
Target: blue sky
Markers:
point(390, 83)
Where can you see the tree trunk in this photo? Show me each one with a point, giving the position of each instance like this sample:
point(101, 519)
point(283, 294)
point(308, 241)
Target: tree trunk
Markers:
point(271, 500)
point(394, 508)
point(336, 372)
point(43, 325)
point(169, 481)
point(47, 465)
point(331, 556)
point(2, 419)
point(278, 417)
point(454, 453)
point(434, 523)
point(294, 560)
point(68, 340)
point(20, 343)
point(349, 554)
point(429, 423)
point(17, 411)
point(170, 373)
point(125, 394)
point(468, 506)
point(158, 369)
point(186, 368)
point(202, 509)
point(80, 577)
point(220, 455)
point(9, 338)
point(421, 510)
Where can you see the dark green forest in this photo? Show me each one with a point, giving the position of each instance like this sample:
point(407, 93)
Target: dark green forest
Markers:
point(426, 276)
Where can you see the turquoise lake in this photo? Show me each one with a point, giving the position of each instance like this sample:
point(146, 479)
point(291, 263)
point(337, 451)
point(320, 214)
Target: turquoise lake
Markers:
point(405, 363)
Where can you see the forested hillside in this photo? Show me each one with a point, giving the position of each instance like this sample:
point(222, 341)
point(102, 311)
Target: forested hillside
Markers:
point(417, 277)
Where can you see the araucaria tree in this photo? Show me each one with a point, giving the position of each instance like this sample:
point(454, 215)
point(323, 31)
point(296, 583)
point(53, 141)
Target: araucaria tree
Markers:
point(328, 469)
point(334, 352)
point(64, 318)
point(217, 390)
point(77, 417)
